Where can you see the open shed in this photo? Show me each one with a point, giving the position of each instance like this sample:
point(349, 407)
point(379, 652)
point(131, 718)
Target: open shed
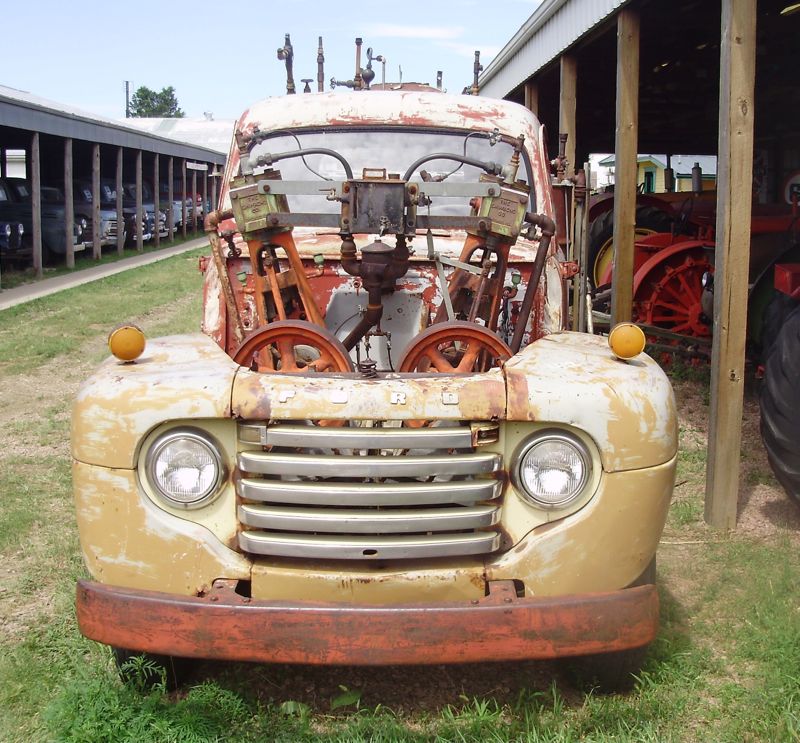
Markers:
point(62, 144)
point(713, 77)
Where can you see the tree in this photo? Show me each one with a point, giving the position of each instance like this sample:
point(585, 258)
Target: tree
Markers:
point(149, 103)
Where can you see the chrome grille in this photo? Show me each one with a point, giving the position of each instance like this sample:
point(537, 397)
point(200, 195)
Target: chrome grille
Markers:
point(368, 493)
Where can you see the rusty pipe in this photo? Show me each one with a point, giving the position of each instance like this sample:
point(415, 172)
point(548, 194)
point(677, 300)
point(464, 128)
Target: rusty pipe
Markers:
point(210, 225)
point(357, 77)
point(548, 228)
point(320, 68)
point(371, 317)
point(286, 53)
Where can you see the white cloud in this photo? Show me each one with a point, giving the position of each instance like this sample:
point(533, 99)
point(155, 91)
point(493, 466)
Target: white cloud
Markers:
point(396, 31)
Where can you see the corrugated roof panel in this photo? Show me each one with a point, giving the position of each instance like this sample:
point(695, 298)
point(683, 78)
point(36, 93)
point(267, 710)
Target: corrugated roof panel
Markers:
point(553, 27)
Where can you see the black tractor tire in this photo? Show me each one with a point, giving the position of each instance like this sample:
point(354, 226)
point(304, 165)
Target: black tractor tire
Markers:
point(601, 230)
point(153, 671)
point(780, 403)
point(775, 314)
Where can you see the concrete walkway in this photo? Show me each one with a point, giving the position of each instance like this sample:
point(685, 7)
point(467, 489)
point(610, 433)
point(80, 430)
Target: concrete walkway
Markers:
point(45, 287)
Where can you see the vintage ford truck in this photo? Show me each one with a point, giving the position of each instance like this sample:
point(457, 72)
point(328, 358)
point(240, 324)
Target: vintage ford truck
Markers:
point(384, 448)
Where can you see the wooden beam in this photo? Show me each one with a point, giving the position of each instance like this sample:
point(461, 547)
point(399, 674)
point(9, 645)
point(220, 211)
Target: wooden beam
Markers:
point(34, 170)
point(139, 207)
point(205, 193)
point(567, 106)
point(214, 179)
point(532, 97)
point(120, 212)
point(170, 199)
point(185, 216)
point(97, 251)
point(69, 204)
point(156, 210)
point(625, 163)
point(3, 162)
point(731, 258)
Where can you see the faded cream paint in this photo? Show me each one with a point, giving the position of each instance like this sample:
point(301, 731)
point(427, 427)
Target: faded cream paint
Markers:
point(627, 407)
point(127, 541)
point(177, 378)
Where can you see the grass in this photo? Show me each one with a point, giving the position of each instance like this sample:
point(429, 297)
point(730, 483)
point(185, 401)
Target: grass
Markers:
point(14, 277)
point(724, 668)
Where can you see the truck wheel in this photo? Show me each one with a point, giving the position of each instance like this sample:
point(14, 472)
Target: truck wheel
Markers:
point(649, 219)
point(608, 673)
point(780, 401)
point(147, 670)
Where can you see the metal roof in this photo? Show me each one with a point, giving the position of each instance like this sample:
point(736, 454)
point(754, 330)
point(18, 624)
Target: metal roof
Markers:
point(22, 110)
point(552, 28)
point(209, 133)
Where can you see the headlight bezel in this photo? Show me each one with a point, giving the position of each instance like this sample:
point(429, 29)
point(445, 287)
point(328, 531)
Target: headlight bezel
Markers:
point(548, 435)
point(195, 435)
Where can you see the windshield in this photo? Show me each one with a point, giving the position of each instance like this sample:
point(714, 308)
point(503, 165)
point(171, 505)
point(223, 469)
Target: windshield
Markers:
point(392, 149)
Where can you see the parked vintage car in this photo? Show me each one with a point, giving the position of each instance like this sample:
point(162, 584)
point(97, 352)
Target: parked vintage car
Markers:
point(16, 206)
point(12, 247)
point(82, 206)
point(385, 448)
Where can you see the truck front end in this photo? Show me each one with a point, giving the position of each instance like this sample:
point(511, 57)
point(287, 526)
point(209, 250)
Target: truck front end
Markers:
point(384, 448)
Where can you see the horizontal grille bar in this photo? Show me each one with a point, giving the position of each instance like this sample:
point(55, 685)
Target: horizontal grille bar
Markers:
point(310, 437)
point(369, 521)
point(368, 493)
point(367, 466)
point(368, 548)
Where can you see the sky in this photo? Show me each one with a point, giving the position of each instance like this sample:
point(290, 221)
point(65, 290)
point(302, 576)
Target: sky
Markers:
point(222, 56)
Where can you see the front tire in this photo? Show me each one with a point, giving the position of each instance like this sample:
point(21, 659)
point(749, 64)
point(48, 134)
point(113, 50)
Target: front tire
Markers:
point(780, 401)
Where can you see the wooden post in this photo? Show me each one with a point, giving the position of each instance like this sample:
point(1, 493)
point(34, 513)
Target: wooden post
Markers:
point(567, 106)
point(532, 97)
point(69, 204)
point(97, 251)
point(625, 163)
point(214, 179)
point(139, 208)
point(731, 258)
point(194, 201)
point(3, 162)
point(170, 199)
point(205, 193)
point(184, 215)
point(120, 214)
point(34, 170)
point(156, 209)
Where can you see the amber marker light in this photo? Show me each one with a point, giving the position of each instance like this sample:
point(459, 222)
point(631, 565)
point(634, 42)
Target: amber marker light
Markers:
point(626, 340)
point(126, 342)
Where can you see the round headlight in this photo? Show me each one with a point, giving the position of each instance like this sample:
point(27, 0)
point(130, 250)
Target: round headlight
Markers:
point(552, 469)
point(83, 223)
point(184, 467)
point(8, 230)
point(20, 228)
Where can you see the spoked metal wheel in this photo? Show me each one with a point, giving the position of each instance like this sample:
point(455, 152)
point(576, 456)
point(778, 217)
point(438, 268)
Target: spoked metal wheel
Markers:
point(455, 347)
point(293, 346)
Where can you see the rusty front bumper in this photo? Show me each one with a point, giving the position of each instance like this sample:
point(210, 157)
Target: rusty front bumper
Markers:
point(226, 626)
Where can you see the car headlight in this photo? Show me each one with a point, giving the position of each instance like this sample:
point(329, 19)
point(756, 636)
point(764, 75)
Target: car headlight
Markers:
point(552, 469)
point(83, 223)
point(8, 230)
point(20, 228)
point(184, 466)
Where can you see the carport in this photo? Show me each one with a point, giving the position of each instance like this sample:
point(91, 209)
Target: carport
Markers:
point(61, 144)
point(668, 76)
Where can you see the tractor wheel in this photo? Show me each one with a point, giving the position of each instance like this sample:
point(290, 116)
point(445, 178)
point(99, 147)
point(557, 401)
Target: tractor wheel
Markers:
point(775, 313)
point(649, 219)
point(780, 401)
